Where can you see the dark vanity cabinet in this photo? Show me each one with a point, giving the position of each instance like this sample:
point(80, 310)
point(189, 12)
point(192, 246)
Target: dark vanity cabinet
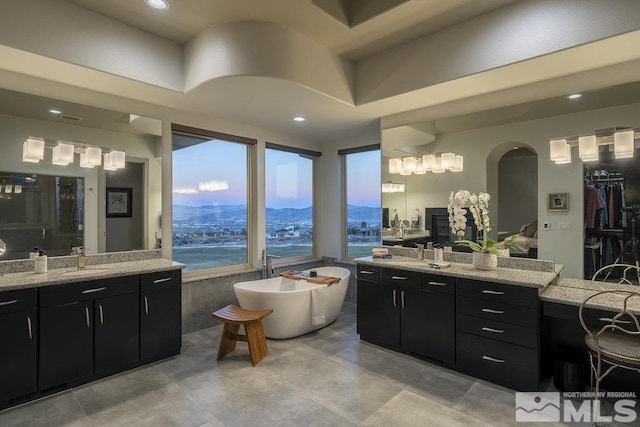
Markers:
point(408, 311)
point(88, 330)
point(160, 315)
point(497, 333)
point(18, 329)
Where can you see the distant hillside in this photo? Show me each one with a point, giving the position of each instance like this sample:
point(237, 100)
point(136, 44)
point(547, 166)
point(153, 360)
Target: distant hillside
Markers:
point(232, 213)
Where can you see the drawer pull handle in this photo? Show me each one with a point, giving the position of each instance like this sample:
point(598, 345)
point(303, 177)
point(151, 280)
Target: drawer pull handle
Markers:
point(146, 305)
point(490, 292)
point(437, 284)
point(497, 331)
point(90, 291)
point(493, 359)
point(29, 328)
point(394, 298)
point(101, 314)
point(165, 279)
point(609, 320)
point(398, 278)
point(86, 310)
point(9, 302)
point(366, 272)
point(402, 298)
point(492, 311)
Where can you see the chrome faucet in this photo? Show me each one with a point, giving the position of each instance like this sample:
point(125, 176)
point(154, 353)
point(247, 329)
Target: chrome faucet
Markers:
point(79, 252)
point(267, 266)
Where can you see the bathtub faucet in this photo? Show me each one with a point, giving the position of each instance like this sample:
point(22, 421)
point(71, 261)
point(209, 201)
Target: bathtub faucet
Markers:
point(267, 266)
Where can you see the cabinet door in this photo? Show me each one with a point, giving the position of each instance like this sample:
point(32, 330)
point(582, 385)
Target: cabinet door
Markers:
point(66, 344)
point(18, 359)
point(160, 322)
point(428, 324)
point(116, 333)
point(378, 314)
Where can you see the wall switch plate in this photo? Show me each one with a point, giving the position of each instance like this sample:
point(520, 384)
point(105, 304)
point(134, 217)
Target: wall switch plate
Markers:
point(546, 226)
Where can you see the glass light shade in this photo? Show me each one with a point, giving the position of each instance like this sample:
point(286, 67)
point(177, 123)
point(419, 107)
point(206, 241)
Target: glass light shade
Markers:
point(84, 163)
point(438, 166)
point(567, 155)
point(93, 156)
point(395, 165)
point(392, 187)
point(448, 160)
point(409, 164)
point(62, 154)
point(623, 144)
point(118, 158)
point(588, 148)
point(33, 150)
point(458, 164)
point(428, 162)
point(108, 162)
point(419, 168)
point(558, 150)
point(17, 189)
point(8, 188)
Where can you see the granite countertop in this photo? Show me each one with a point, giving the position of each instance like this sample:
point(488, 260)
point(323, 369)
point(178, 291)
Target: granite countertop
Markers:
point(575, 291)
point(30, 279)
point(509, 276)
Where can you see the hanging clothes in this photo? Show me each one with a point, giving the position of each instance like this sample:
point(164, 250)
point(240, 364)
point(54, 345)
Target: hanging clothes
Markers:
point(593, 202)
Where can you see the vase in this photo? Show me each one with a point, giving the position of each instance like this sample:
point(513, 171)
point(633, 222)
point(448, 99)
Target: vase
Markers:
point(485, 261)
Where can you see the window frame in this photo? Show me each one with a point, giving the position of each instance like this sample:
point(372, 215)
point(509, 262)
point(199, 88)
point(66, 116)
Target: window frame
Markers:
point(315, 155)
point(251, 146)
point(343, 173)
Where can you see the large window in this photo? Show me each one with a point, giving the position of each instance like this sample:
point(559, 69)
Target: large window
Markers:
point(289, 202)
point(363, 201)
point(210, 201)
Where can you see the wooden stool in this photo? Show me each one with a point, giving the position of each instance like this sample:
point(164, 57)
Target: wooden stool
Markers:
point(233, 317)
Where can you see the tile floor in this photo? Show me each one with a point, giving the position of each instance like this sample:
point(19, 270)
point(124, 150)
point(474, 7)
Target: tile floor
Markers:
point(326, 378)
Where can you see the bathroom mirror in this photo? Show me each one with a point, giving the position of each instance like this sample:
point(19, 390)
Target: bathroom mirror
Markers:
point(82, 222)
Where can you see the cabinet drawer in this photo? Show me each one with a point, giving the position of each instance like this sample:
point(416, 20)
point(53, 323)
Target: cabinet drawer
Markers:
point(507, 313)
point(20, 300)
point(500, 362)
point(369, 273)
point(488, 291)
point(161, 278)
point(83, 291)
point(506, 332)
point(437, 283)
point(392, 276)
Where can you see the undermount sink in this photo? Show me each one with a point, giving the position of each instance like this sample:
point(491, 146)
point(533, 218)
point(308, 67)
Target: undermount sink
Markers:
point(85, 271)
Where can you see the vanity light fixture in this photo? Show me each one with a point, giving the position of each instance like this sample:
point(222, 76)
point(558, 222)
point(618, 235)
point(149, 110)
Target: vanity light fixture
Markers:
point(33, 150)
point(118, 158)
point(392, 187)
point(588, 146)
point(623, 144)
point(17, 188)
point(62, 154)
point(427, 163)
point(108, 162)
point(158, 4)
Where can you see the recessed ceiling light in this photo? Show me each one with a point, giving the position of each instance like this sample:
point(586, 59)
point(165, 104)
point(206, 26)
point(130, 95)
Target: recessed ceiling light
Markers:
point(158, 4)
point(299, 119)
point(54, 111)
point(574, 96)
point(515, 148)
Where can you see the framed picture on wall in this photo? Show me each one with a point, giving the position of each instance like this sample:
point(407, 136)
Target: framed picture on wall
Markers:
point(118, 202)
point(558, 202)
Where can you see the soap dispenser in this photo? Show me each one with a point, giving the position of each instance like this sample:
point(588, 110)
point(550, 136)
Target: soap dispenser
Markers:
point(41, 262)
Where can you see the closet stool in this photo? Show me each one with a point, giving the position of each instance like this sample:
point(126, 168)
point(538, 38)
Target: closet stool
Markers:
point(232, 317)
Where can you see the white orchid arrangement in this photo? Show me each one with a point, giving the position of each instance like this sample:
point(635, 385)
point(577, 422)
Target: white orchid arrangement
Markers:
point(478, 205)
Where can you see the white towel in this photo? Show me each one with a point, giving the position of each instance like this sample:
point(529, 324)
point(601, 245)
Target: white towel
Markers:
point(318, 305)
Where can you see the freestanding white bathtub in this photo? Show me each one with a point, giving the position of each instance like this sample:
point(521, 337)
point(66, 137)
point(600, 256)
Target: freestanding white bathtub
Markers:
point(291, 301)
